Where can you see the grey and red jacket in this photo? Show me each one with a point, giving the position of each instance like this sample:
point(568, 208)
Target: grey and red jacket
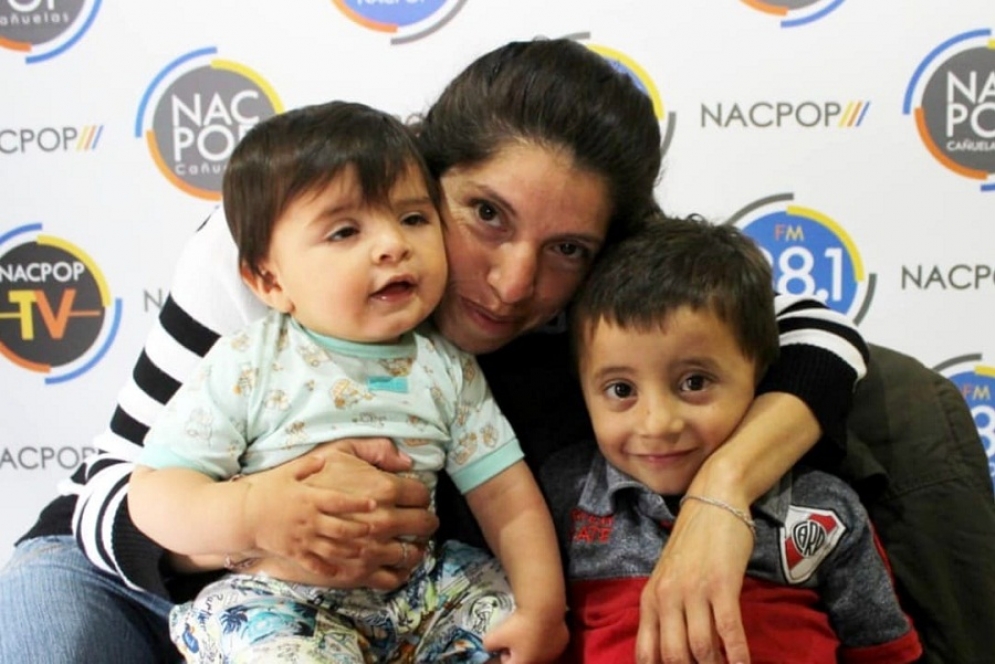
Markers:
point(818, 586)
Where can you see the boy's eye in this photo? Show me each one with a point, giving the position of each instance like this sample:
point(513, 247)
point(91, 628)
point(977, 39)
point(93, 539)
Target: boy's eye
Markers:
point(619, 391)
point(694, 383)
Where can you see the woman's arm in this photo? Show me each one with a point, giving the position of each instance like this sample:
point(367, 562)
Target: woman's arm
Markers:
point(206, 300)
point(690, 607)
point(519, 530)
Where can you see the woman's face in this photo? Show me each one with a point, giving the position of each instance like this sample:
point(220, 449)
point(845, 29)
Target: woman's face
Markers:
point(521, 231)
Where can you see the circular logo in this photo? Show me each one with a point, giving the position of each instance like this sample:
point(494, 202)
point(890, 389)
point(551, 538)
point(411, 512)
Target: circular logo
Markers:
point(407, 20)
point(201, 110)
point(811, 255)
point(952, 98)
point(795, 12)
point(54, 305)
point(623, 63)
point(976, 383)
point(44, 28)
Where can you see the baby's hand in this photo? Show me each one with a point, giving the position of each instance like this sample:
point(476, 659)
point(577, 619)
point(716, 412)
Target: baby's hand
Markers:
point(528, 637)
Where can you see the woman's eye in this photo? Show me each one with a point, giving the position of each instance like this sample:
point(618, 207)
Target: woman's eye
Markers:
point(619, 391)
point(573, 251)
point(695, 383)
point(486, 212)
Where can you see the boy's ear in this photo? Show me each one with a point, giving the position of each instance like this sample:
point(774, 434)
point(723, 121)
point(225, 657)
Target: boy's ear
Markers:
point(267, 287)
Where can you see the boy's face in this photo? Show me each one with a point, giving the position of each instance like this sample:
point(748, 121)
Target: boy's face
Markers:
point(348, 270)
point(661, 401)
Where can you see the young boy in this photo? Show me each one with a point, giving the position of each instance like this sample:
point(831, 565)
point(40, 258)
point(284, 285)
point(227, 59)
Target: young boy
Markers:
point(672, 332)
point(336, 221)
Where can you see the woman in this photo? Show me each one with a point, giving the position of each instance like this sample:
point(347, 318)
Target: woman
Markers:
point(544, 154)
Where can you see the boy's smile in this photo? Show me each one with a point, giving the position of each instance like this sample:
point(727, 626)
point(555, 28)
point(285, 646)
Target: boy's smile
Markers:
point(662, 399)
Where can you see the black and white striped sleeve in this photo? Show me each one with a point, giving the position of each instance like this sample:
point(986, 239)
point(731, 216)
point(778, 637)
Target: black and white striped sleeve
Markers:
point(207, 299)
point(822, 358)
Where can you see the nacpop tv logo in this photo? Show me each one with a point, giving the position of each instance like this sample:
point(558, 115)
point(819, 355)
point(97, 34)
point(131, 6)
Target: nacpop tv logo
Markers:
point(409, 20)
point(977, 384)
point(56, 310)
point(44, 28)
point(811, 254)
point(795, 12)
point(204, 107)
point(623, 63)
point(952, 98)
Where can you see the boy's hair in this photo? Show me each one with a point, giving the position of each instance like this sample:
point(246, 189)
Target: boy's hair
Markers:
point(300, 152)
point(672, 263)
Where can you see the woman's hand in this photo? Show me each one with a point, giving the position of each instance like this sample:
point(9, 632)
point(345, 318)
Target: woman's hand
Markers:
point(336, 513)
point(689, 610)
point(399, 525)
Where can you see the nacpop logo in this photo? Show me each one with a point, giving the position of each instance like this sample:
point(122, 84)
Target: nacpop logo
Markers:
point(795, 12)
point(44, 28)
point(50, 139)
point(952, 98)
point(811, 254)
point(977, 384)
point(805, 114)
point(409, 20)
point(623, 63)
point(206, 105)
point(55, 307)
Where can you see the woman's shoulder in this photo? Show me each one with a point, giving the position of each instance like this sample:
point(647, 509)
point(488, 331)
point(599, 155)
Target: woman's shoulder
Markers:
point(206, 283)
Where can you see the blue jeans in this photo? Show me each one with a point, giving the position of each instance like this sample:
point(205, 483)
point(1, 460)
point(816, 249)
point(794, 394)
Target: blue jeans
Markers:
point(56, 607)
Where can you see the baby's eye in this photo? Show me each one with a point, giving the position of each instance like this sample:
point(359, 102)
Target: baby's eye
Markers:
point(342, 233)
point(414, 219)
point(620, 390)
point(694, 383)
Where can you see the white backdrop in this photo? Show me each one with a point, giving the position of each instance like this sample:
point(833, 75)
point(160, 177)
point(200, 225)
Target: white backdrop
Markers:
point(795, 119)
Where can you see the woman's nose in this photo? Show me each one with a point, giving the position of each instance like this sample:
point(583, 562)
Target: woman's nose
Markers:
point(513, 273)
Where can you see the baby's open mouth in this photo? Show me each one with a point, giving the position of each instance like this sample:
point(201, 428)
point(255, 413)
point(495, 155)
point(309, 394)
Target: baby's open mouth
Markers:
point(395, 288)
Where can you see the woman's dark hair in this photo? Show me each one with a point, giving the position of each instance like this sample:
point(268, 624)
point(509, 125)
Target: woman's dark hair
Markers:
point(673, 263)
point(301, 151)
point(555, 93)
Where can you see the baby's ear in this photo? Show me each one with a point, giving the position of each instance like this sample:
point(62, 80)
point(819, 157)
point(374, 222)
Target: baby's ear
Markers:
point(266, 285)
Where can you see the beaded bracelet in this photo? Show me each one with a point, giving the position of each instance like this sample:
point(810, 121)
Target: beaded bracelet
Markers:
point(738, 513)
point(238, 565)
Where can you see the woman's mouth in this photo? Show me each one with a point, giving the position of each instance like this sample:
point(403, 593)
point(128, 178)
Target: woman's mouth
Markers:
point(487, 320)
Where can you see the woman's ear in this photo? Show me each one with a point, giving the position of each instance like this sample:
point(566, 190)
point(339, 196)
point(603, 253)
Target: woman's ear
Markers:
point(266, 285)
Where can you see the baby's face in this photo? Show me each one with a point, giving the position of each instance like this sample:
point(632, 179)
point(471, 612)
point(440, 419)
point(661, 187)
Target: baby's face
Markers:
point(662, 400)
point(356, 272)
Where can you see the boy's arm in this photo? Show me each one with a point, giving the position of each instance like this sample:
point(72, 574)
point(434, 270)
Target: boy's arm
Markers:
point(519, 530)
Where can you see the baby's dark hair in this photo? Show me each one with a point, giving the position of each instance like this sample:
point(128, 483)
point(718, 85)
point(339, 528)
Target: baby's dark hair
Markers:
point(300, 152)
point(671, 263)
